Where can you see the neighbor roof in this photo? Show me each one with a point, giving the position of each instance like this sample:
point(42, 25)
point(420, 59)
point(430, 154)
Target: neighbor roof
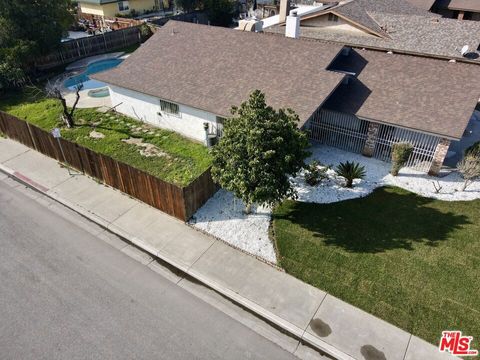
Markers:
point(213, 68)
point(98, 2)
point(430, 95)
point(465, 5)
point(431, 36)
point(359, 11)
point(422, 4)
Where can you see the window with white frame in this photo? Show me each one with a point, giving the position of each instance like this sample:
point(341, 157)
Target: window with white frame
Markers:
point(220, 121)
point(169, 108)
point(123, 6)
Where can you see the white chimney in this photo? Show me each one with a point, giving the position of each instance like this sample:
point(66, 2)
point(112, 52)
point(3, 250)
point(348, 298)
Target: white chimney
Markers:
point(292, 30)
point(284, 10)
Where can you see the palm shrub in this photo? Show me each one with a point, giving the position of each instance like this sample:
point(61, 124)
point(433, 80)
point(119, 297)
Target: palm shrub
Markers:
point(400, 153)
point(351, 171)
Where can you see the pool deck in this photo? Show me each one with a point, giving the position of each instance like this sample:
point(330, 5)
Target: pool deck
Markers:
point(87, 61)
point(87, 101)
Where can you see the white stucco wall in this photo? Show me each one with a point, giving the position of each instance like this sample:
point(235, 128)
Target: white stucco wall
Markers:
point(146, 108)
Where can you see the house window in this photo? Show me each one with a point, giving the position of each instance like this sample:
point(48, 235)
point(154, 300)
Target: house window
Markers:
point(220, 122)
point(169, 108)
point(123, 6)
point(332, 17)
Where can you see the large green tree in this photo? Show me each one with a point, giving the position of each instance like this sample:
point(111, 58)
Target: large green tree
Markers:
point(189, 5)
point(29, 29)
point(260, 149)
point(221, 12)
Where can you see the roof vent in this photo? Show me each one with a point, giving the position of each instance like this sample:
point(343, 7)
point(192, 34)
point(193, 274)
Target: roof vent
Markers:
point(464, 50)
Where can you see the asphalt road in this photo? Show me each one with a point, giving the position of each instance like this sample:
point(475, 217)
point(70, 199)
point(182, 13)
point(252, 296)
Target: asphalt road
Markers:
point(65, 294)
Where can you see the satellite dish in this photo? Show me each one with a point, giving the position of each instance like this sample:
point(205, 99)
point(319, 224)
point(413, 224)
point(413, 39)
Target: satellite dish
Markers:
point(464, 50)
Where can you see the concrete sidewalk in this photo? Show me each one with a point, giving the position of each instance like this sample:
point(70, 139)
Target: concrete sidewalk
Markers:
point(309, 314)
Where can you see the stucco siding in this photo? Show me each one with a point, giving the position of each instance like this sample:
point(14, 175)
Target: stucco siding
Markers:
point(340, 25)
point(108, 10)
point(146, 108)
point(142, 5)
point(111, 9)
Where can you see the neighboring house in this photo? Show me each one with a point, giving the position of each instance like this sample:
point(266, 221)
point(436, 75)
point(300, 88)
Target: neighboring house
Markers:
point(458, 9)
point(394, 25)
point(98, 10)
point(362, 101)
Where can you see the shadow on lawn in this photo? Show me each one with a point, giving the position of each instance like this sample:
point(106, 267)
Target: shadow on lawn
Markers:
point(389, 218)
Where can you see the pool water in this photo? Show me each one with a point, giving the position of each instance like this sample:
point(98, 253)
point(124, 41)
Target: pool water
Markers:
point(95, 67)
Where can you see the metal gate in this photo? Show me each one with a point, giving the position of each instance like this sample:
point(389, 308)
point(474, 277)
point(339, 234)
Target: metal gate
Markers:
point(423, 146)
point(340, 130)
point(349, 133)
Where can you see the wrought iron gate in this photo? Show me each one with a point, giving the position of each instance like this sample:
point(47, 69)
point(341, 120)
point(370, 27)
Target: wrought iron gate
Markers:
point(349, 133)
point(339, 130)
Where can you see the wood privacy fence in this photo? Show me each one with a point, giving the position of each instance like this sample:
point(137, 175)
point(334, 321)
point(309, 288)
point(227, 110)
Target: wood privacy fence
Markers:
point(180, 202)
point(73, 50)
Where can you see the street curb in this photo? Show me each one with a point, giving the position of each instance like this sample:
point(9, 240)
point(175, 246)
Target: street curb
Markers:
point(300, 334)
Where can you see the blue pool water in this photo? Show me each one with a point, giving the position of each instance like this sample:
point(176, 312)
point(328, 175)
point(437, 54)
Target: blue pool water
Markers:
point(92, 68)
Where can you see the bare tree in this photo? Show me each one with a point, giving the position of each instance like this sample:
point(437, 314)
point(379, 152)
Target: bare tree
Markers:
point(469, 167)
point(55, 91)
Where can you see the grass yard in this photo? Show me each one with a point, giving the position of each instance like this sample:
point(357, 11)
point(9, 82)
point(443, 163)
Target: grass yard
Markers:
point(412, 261)
point(178, 160)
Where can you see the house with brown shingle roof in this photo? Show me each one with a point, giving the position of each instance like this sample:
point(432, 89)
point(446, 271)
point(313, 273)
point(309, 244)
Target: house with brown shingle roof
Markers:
point(395, 25)
point(187, 77)
point(458, 9)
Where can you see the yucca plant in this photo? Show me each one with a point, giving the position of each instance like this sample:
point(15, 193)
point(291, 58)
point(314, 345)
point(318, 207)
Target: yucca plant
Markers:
point(351, 171)
point(400, 154)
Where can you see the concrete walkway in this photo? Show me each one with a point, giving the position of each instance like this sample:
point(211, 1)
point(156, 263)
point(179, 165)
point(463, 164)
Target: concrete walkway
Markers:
point(307, 313)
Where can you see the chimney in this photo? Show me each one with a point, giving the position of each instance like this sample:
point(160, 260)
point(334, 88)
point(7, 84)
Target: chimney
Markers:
point(292, 30)
point(284, 10)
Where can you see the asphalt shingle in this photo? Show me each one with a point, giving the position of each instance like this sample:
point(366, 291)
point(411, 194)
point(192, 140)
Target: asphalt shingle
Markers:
point(212, 68)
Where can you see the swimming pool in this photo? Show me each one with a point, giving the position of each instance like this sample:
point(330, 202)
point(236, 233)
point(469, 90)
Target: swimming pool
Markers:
point(92, 68)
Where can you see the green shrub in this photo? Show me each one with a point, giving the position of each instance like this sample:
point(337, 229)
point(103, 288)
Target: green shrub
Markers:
point(400, 154)
point(351, 171)
point(474, 149)
point(314, 173)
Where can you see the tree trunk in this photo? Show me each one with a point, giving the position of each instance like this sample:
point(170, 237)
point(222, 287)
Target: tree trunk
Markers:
point(248, 209)
point(349, 183)
point(67, 116)
point(465, 185)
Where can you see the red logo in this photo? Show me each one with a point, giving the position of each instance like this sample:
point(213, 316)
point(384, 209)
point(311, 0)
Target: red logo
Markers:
point(456, 344)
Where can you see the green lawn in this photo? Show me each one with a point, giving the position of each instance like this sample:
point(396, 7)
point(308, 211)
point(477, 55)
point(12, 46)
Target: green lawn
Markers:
point(184, 161)
point(412, 261)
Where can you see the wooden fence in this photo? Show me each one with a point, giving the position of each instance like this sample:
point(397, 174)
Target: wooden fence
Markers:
point(73, 50)
point(180, 202)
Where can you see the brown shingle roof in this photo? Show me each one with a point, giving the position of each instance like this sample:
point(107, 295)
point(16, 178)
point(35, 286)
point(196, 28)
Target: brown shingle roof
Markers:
point(422, 4)
point(212, 68)
point(430, 95)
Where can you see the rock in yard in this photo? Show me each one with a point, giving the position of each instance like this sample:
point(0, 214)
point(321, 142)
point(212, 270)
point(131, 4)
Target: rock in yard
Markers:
point(96, 135)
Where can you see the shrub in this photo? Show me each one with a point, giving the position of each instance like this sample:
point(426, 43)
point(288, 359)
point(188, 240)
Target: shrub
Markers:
point(473, 149)
point(400, 154)
point(314, 174)
point(351, 171)
point(469, 167)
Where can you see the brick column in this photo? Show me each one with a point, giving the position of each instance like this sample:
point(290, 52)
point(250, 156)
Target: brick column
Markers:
point(372, 134)
point(439, 156)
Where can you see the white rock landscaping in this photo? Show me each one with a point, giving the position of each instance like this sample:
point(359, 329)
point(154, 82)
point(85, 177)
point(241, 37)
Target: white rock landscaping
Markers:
point(222, 216)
